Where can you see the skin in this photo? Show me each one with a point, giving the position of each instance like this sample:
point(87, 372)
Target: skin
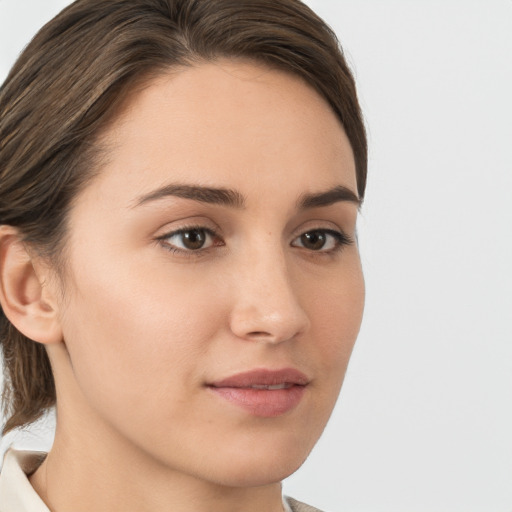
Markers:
point(141, 328)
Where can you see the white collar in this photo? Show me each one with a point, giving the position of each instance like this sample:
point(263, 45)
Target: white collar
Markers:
point(16, 493)
point(286, 505)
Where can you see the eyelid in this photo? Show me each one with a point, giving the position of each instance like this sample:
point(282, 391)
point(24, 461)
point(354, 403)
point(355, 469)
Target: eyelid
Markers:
point(184, 229)
point(342, 239)
point(338, 235)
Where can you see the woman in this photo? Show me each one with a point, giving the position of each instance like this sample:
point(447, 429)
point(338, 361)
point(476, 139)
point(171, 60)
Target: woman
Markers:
point(179, 272)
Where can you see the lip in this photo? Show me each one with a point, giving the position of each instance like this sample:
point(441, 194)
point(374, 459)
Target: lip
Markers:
point(250, 390)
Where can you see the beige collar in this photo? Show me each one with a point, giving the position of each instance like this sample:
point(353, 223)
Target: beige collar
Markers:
point(16, 493)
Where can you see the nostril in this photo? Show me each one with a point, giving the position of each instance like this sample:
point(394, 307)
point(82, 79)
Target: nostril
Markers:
point(259, 334)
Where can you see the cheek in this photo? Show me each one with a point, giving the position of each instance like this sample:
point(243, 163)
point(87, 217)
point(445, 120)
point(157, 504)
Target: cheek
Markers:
point(132, 329)
point(336, 310)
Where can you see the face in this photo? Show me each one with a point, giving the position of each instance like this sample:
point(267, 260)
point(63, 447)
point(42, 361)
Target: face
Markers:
point(214, 289)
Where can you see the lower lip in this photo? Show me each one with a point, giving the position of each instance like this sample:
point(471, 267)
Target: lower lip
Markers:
point(266, 403)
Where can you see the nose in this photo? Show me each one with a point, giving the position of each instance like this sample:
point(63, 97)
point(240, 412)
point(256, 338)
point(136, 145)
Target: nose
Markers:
point(267, 305)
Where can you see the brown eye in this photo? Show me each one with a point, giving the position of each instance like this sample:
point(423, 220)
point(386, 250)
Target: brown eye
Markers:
point(322, 240)
point(193, 239)
point(314, 240)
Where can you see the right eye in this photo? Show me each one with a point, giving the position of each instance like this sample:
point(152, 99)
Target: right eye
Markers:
point(190, 239)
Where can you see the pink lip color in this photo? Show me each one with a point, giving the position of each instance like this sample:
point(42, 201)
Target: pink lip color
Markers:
point(266, 403)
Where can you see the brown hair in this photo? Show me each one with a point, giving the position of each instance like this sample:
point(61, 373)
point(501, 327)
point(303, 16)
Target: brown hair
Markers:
point(72, 79)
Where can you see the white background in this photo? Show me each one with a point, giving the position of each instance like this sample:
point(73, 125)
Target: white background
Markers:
point(424, 422)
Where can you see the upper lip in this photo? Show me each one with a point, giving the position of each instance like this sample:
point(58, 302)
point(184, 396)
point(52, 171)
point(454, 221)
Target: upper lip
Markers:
point(263, 377)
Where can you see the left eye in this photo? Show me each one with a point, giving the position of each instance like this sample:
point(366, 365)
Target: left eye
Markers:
point(320, 240)
point(190, 239)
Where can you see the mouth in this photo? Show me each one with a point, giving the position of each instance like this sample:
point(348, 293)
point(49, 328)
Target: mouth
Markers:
point(284, 385)
point(264, 393)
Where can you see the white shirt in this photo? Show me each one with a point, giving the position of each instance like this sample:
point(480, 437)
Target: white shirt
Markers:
point(16, 493)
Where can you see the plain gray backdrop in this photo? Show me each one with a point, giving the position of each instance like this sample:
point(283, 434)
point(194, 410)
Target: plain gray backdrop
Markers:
point(424, 422)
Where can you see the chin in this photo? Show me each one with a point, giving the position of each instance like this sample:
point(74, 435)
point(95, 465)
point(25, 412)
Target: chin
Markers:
point(259, 464)
point(255, 473)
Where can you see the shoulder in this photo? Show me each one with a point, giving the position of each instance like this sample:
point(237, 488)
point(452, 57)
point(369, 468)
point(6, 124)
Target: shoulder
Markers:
point(297, 506)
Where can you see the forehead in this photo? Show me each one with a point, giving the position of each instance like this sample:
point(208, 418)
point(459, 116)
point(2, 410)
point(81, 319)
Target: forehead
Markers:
point(223, 124)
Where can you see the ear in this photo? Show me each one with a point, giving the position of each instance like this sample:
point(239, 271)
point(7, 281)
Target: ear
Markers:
point(25, 295)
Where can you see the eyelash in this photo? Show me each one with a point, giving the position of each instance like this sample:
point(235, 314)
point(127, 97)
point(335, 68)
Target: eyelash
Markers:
point(187, 229)
point(341, 240)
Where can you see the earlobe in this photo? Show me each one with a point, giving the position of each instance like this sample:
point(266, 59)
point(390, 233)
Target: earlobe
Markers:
point(24, 298)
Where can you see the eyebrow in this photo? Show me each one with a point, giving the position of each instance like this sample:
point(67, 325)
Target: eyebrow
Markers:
point(234, 199)
point(331, 196)
point(211, 195)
